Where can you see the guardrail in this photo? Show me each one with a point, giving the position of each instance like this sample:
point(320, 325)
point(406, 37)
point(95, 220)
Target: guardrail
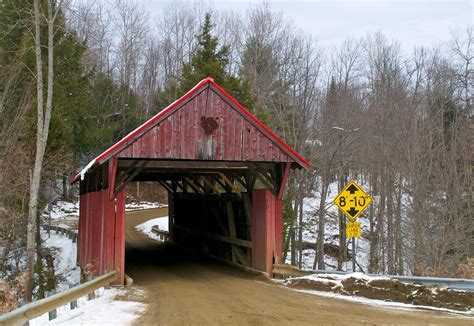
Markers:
point(71, 234)
point(450, 283)
point(40, 307)
point(163, 235)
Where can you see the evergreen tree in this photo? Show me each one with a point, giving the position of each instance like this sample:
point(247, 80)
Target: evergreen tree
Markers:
point(210, 60)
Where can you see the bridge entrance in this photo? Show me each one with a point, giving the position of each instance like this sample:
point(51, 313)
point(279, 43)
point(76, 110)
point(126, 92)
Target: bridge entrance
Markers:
point(225, 173)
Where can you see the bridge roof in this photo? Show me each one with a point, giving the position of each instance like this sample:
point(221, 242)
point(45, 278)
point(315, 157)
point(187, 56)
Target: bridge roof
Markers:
point(204, 124)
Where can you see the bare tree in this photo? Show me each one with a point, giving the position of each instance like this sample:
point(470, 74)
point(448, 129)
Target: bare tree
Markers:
point(42, 127)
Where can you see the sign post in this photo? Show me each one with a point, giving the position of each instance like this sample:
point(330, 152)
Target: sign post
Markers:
point(352, 201)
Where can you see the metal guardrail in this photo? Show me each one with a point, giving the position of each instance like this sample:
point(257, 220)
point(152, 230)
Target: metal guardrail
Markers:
point(40, 307)
point(450, 283)
point(163, 235)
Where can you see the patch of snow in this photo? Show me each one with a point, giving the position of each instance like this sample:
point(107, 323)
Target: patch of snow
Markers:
point(103, 310)
point(145, 228)
point(387, 304)
point(62, 210)
point(143, 205)
point(341, 277)
point(65, 258)
point(84, 170)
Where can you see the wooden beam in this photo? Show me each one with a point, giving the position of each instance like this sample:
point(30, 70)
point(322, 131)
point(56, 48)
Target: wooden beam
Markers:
point(123, 174)
point(244, 184)
point(283, 181)
point(193, 165)
point(192, 185)
point(165, 185)
point(265, 180)
point(130, 177)
point(232, 231)
point(177, 185)
point(210, 185)
point(223, 185)
point(196, 182)
point(231, 184)
point(234, 241)
point(112, 176)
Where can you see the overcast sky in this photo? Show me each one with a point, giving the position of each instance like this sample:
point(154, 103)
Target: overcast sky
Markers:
point(411, 22)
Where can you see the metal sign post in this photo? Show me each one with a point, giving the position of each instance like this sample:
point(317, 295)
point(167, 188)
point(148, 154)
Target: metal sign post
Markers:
point(352, 201)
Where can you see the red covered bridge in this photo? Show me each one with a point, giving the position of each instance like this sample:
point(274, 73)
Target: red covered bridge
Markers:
point(224, 171)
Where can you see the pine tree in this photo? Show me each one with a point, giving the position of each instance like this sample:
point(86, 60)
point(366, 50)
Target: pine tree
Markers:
point(210, 60)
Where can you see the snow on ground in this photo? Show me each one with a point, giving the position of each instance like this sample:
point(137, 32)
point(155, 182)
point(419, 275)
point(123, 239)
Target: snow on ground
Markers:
point(65, 210)
point(65, 258)
point(310, 207)
point(106, 308)
point(385, 304)
point(62, 210)
point(103, 310)
point(161, 222)
point(336, 283)
point(143, 205)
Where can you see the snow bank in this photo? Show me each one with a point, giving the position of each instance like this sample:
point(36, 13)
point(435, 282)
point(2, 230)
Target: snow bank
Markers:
point(63, 210)
point(146, 228)
point(65, 252)
point(143, 205)
point(388, 304)
point(386, 289)
point(103, 310)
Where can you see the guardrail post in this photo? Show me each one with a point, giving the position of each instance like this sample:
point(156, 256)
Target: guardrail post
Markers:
point(21, 304)
point(91, 295)
point(73, 303)
point(53, 313)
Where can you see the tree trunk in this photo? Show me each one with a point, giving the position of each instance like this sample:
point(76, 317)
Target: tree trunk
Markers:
point(342, 255)
point(300, 232)
point(319, 259)
point(42, 130)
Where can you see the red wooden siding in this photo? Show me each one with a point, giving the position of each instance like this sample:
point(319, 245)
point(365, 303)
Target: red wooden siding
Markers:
point(263, 230)
point(101, 238)
point(180, 135)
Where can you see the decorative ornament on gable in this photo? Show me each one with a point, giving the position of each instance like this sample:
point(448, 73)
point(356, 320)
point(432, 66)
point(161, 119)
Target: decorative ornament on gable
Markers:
point(209, 124)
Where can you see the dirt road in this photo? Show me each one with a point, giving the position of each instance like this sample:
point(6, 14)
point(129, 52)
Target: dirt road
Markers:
point(184, 290)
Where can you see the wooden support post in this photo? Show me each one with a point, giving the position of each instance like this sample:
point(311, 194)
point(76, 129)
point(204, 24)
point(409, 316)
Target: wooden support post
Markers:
point(232, 231)
point(263, 230)
point(119, 259)
point(283, 181)
point(112, 175)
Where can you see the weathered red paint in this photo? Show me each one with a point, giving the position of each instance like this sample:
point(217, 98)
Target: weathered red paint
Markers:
point(119, 262)
point(278, 238)
point(175, 132)
point(263, 230)
point(96, 225)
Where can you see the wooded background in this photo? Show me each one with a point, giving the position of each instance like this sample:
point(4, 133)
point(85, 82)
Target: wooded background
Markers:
point(399, 123)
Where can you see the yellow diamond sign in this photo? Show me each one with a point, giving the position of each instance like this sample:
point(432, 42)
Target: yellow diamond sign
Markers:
point(352, 200)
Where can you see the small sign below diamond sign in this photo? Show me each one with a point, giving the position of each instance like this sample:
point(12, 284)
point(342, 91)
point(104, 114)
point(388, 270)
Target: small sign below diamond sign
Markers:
point(352, 200)
point(353, 230)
